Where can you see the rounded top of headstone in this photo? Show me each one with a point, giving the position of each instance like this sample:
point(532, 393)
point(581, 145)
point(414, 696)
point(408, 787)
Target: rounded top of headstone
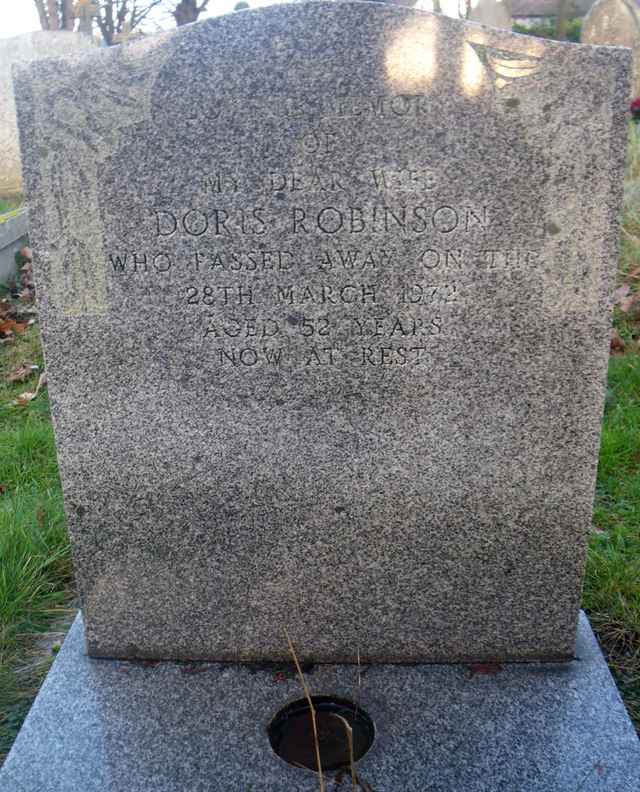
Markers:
point(494, 13)
point(616, 22)
point(612, 22)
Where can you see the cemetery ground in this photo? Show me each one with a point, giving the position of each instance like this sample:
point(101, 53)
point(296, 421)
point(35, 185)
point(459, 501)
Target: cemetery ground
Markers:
point(36, 585)
point(8, 206)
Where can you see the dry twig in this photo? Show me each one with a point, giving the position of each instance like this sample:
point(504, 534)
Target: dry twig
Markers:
point(307, 693)
point(349, 732)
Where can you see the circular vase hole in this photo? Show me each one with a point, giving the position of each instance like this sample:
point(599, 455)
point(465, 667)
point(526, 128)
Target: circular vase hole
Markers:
point(291, 733)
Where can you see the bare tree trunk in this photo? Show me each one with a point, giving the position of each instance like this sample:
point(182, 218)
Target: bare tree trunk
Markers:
point(42, 14)
point(188, 11)
point(118, 19)
point(565, 8)
point(68, 19)
point(121, 17)
point(85, 25)
point(105, 23)
point(464, 9)
point(52, 8)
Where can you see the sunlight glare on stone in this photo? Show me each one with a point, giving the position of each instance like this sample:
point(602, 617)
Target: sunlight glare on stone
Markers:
point(471, 69)
point(411, 57)
point(503, 67)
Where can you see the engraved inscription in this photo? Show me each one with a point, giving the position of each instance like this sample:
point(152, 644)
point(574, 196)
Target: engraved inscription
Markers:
point(271, 272)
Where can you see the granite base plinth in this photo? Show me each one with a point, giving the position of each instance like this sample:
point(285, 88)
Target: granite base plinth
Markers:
point(116, 726)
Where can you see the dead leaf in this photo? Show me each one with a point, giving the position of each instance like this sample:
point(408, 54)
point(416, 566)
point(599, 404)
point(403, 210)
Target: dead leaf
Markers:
point(28, 396)
point(620, 293)
point(24, 398)
point(617, 342)
point(193, 668)
point(10, 326)
point(6, 308)
point(3, 489)
point(6, 327)
point(23, 372)
point(485, 669)
point(635, 274)
point(145, 663)
point(26, 252)
point(626, 303)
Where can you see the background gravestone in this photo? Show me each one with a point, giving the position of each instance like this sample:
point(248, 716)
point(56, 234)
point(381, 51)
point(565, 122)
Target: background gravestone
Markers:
point(327, 330)
point(615, 22)
point(495, 13)
point(22, 49)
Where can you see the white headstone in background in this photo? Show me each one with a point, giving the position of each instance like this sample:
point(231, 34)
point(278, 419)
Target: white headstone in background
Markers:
point(21, 49)
point(495, 13)
point(616, 22)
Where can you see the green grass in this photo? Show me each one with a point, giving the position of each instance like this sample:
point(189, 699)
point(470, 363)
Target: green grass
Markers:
point(548, 30)
point(628, 324)
point(35, 567)
point(9, 207)
point(612, 582)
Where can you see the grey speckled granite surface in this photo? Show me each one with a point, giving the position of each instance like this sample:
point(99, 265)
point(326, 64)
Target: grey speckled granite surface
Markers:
point(325, 302)
point(116, 726)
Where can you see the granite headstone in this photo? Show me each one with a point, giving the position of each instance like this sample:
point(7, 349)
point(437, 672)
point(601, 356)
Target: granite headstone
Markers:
point(325, 295)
